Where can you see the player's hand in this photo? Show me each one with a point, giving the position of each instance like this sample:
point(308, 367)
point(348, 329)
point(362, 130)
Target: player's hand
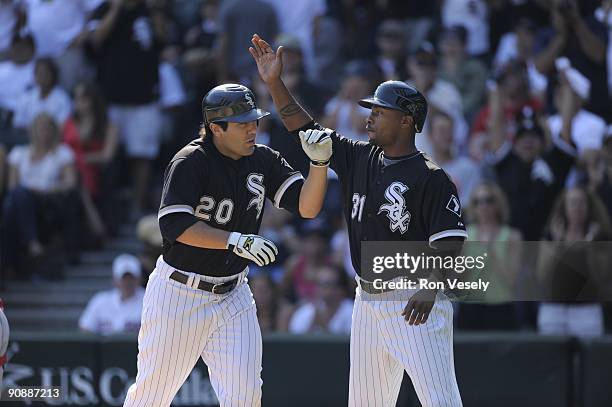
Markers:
point(259, 250)
point(317, 144)
point(419, 306)
point(269, 63)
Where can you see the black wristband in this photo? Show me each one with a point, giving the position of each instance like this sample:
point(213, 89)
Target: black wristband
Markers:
point(319, 163)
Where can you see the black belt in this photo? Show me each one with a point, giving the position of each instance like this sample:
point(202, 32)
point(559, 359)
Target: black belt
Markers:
point(370, 289)
point(221, 288)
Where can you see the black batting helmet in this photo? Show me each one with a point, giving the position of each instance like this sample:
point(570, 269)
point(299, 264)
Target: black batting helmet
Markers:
point(230, 103)
point(400, 96)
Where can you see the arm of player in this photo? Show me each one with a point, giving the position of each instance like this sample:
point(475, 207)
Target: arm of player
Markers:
point(251, 247)
point(270, 67)
point(420, 304)
point(317, 145)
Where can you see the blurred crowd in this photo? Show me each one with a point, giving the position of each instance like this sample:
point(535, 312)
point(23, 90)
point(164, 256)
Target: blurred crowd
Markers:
point(96, 96)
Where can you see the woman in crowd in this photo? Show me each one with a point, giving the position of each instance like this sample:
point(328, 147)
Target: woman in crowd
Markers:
point(570, 266)
point(489, 233)
point(93, 140)
point(40, 200)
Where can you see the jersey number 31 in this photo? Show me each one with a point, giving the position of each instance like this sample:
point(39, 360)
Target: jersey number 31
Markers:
point(358, 203)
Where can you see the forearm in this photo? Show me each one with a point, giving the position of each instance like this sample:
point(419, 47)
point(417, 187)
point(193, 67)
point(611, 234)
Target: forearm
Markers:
point(545, 60)
point(105, 27)
point(201, 235)
point(291, 113)
point(313, 192)
point(592, 46)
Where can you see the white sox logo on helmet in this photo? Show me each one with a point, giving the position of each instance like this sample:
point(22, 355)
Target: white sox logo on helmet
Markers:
point(255, 186)
point(249, 99)
point(396, 208)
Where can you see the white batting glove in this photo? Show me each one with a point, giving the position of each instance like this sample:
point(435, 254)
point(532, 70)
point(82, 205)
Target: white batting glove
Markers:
point(259, 250)
point(317, 144)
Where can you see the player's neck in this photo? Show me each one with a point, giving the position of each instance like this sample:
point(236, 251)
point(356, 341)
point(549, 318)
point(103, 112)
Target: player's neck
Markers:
point(399, 150)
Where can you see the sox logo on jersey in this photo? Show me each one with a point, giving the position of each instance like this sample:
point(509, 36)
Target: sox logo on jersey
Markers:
point(398, 216)
point(255, 186)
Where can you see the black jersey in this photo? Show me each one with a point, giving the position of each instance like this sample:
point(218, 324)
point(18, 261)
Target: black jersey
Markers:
point(409, 199)
point(227, 194)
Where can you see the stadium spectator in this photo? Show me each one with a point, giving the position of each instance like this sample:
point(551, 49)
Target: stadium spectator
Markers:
point(117, 310)
point(94, 141)
point(588, 130)
point(599, 172)
point(149, 234)
point(390, 40)
point(40, 201)
point(488, 215)
point(531, 173)
point(467, 74)
point(330, 310)
point(423, 70)
point(342, 111)
point(238, 20)
point(16, 76)
point(509, 94)
point(583, 40)
point(203, 34)
point(520, 45)
point(127, 47)
point(464, 172)
point(46, 96)
point(59, 30)
point(273, 311)
point(299, 283)
point(570, 269)
point(301, 19)
point(472, 14)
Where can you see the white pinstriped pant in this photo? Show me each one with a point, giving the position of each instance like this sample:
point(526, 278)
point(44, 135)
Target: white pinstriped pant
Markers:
point(383, 345)
point(181, 324)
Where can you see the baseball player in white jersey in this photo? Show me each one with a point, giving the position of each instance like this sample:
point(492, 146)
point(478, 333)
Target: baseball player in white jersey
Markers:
point(197, 302)
point(391, 192)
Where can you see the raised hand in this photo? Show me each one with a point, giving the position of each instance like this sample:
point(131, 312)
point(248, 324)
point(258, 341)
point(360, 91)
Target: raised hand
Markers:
point(269, 63)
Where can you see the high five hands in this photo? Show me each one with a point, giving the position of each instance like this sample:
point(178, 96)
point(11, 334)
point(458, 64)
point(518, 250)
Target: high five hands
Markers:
point(269, 62)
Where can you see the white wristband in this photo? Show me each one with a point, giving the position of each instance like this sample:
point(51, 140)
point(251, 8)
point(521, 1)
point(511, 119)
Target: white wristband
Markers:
point(233, 239)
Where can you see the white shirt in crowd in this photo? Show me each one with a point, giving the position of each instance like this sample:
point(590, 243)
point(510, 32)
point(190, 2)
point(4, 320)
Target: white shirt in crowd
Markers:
point(508, 50)
point(106, 314)
point(171, 89)
point(588, 130)
point(56, 23)
point(15, 80)
point(57, 104)
point(472, 14)
point(44, 174)
point(296, 17)
point(303, 317)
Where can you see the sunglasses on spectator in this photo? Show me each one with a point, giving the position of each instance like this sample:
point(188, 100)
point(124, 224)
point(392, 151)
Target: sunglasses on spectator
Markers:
point(484, 200)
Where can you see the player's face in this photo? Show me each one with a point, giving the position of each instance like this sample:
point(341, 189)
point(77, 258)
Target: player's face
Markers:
point(239, 139)
point(383, 126)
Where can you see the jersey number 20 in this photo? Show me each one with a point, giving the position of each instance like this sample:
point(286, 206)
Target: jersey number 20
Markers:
point(207, 205)
point(358, 203)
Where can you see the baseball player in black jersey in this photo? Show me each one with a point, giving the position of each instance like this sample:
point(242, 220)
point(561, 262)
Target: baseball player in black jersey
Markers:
point(197, 302)
point(391, 191)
